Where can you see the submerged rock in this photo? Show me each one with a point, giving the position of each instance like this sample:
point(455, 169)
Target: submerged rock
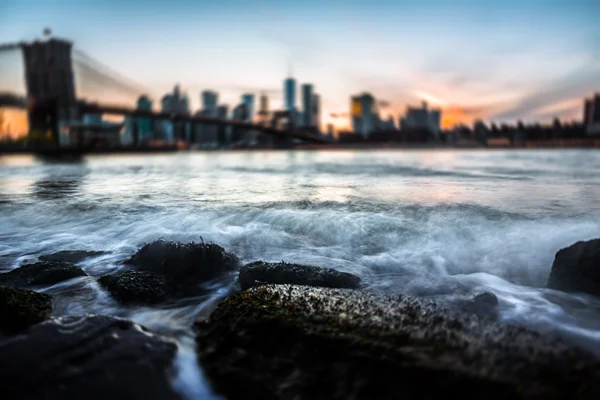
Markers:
point(260, 272)
point(577, 268)
point(284, 341)
point(137, 287)
point(485, 299)
point(89, 357)
point(484, 305)
point(20, 308)
point(71, 256)
point(41, 273)
point(189, 261)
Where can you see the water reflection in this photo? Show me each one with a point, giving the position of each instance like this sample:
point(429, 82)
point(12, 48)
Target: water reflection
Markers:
point(52, 189)
point(61, 181)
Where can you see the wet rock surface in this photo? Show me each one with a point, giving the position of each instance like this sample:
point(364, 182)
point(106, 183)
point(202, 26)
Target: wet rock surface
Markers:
point(260, 272)
point(20, 308)
point(71, 256)
point(577, 268)
point(91, 357)
point(41, 273)
point(138, 287)
point(165, 271)
point(184, 261)
point(285, 341)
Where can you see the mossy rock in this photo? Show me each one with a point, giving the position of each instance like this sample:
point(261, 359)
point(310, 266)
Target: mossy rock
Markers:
point(287, 341)
point(184, 261)
point(21, 308)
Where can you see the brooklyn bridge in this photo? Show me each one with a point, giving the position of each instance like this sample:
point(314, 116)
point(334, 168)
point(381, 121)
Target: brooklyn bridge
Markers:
point(54, 108)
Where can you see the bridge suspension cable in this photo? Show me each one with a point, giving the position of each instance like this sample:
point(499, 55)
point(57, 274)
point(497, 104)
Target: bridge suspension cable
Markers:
point(94, 72)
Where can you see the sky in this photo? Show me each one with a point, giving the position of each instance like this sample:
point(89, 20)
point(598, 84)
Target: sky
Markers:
point(501, 61)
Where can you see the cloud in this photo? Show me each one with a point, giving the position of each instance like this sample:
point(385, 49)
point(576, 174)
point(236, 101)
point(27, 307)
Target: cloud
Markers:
point(578, 83)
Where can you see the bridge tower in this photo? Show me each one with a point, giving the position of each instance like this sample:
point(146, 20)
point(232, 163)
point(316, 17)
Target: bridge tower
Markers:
point(50, 87)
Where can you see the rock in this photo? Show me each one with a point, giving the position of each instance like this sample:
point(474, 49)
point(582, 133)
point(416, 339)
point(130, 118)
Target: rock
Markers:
point(71, 256)
point(20, 308)
point(484, 305)
point(41, 273)
point(191, 261)
point(285, 341)
point(577, 268)
point(260, 272)
point(89, 357)
point(486, 299)
point(137, 287)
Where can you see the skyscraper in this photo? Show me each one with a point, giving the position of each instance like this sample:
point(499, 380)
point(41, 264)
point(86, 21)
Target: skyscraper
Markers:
point(263, 112)
point(248, 101)
point(144, 125)
point(207, 132)
point(307, 105)
point(289, 90)
point(175, 103)
point(264, 104)
point(316, 114)
point(210, 100)
point(422, 118)
point(364, 114)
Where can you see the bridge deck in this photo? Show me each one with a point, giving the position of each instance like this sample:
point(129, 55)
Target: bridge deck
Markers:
point(117, 110)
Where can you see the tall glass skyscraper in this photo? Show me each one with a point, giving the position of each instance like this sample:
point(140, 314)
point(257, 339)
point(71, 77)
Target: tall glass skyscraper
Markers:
point(289, 90)
point(248, 101)
point(307, 105)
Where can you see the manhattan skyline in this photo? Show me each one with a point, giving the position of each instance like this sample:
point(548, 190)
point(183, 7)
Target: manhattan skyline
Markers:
point(528, 60)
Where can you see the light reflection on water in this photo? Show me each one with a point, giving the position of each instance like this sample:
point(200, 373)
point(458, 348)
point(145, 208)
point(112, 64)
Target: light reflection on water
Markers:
point(429, 223)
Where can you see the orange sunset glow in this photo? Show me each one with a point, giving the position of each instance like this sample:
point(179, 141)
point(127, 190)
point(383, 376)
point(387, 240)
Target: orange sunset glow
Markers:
point(13, 123)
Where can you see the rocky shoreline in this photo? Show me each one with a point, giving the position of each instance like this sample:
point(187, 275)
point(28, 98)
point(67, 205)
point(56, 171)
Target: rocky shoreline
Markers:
point(291, 331)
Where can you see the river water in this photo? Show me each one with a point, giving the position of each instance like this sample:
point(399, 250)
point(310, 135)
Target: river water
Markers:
point(445, 224)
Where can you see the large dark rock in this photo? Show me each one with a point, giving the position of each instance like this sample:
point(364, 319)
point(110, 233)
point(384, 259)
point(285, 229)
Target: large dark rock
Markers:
point(71, 256)
point(20, 308)
point(577, 268)
point(284, 341)
point(184, 261)
point(166, 271)
point(260, 272)
point(41, 273)
point(89, 357)
point(138, 287)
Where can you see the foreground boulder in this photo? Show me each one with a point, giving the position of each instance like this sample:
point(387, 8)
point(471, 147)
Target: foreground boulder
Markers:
point(260, 272)
point(40, 274)
point(577, 268)
point(179, 261)
point(71, 256)
point(166, 271)
point(91, 357)
point(20, 308)
point(284, 341)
